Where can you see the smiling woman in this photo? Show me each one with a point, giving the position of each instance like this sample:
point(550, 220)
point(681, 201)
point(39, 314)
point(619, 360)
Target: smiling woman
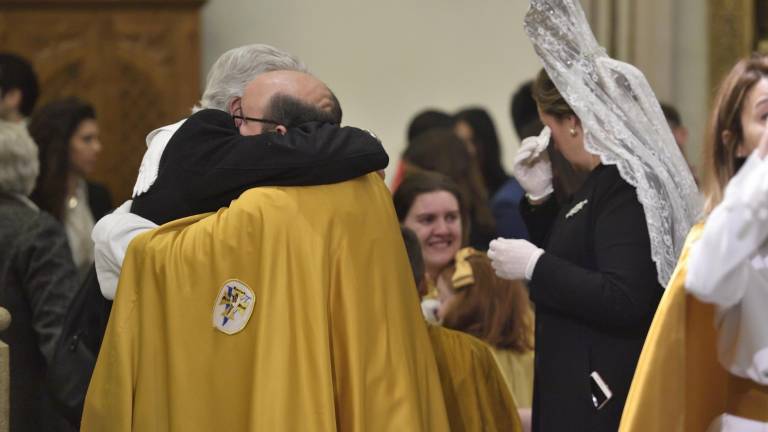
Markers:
point(430, 204)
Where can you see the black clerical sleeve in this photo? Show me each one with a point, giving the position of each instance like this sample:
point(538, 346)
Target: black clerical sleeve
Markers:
point(207, 163)
point(600, 270)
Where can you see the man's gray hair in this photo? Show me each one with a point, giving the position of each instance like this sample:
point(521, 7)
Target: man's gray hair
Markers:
point(19, 165)
point(232, 72)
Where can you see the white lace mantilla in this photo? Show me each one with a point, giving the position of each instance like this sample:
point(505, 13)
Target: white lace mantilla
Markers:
point(622, 121)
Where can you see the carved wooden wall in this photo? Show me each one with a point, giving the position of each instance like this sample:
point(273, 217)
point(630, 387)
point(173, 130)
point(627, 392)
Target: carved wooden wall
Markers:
point(137, 62)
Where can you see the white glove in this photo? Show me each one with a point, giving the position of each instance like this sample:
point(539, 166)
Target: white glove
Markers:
point(532, 167)
point(513, 258)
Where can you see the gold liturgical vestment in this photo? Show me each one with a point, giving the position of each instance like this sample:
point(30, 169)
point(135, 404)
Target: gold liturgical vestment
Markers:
point(316, 289)
point(678, 386)
point(477, 397)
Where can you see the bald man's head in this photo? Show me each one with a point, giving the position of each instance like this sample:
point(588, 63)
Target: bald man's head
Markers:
point(264, 89)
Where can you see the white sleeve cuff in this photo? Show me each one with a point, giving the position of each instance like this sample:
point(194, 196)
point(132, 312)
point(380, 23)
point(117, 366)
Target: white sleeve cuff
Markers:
point(532, 261)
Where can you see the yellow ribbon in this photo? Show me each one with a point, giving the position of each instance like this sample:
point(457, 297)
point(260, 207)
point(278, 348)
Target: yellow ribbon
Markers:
point(463, 276)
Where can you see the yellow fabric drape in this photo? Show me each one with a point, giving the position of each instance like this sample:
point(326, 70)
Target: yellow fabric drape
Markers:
point(335, 342)
point(476, 396)
point(678, 386)
point(517, 369)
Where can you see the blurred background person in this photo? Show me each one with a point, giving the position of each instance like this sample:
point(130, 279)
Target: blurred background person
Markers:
point(475, 126)
point(67, 134)
point(442, 151)
point(675, 122)
point(422, 122)
point(37, 283)
point(679, 131)
point(18, 88)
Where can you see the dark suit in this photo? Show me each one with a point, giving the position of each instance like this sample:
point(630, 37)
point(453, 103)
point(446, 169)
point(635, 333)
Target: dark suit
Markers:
point(37, 283)
point(99, 200)
point(596, 292)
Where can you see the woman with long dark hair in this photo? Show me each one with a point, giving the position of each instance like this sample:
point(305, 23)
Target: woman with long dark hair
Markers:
point(475, 126)
point(67, 136)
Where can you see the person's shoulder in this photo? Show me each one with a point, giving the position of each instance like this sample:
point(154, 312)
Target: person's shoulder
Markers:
point(98, 191)
point(510, 191)
point(609, 181)
point(37, 226)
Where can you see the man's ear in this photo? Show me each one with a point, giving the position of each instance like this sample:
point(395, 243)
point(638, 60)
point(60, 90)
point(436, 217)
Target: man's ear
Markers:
point(280, 129)
point(234, 105)
point(232, 108)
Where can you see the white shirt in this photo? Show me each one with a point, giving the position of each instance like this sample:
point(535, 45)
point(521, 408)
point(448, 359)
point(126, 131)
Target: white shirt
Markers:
point(113, 233)
point(111, 236)
point(728, 267)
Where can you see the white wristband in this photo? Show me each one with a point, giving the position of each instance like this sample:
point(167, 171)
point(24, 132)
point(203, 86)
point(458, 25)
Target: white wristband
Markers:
point(532, 261)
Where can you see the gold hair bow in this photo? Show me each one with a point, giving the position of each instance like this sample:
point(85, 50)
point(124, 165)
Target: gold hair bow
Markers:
point(463, 276)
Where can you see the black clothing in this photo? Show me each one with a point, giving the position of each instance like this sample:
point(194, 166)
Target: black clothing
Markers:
point(78, 347)
point(596, 291)
point(99, 200)
point(207, 163)
point(37, 283)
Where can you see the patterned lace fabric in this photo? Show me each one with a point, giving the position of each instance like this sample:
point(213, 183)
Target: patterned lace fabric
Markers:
point(622, 122)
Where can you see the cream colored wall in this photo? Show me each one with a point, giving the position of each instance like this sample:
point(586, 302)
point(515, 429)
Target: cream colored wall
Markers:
point(668, 41)
point(388, 60)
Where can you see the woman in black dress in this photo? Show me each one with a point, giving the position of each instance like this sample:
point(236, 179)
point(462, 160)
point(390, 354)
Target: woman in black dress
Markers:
point(598, 262)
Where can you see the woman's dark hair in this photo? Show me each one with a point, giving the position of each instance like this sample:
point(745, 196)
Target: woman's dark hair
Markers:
point(492, 309)
point(487, 146)
point(17, 73)
point(442, 151)
point(419, 183)
point(427, 120)
point(52, 128)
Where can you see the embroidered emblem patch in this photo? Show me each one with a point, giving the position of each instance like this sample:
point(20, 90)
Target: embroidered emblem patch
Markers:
point(233, 307)
point(577, 208)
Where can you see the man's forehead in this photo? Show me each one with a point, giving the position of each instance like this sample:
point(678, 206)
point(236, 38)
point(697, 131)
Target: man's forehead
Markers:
point(300, 85)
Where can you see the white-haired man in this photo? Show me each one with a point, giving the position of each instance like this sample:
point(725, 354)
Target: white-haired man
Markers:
point(219, 152)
